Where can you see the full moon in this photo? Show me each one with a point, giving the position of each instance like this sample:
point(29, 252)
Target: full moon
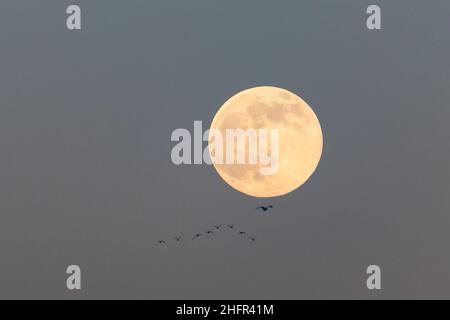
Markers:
point(300, 140)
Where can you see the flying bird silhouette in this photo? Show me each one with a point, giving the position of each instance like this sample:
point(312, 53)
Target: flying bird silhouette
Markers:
point(161, 242)
point(217, 227)
point(231, 226)
point(209, 232)
point(241, 233)
point(264, 208)
point(252, 238)
point(177, 239)
point(196, 236)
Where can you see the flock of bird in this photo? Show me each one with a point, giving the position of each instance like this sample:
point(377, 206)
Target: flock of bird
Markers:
point(220, 227)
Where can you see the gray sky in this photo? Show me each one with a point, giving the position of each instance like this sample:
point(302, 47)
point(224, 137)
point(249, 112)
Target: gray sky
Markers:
point(85, 170)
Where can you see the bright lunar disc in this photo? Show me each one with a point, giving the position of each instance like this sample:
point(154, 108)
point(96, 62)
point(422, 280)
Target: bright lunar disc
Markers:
point(300, 140)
